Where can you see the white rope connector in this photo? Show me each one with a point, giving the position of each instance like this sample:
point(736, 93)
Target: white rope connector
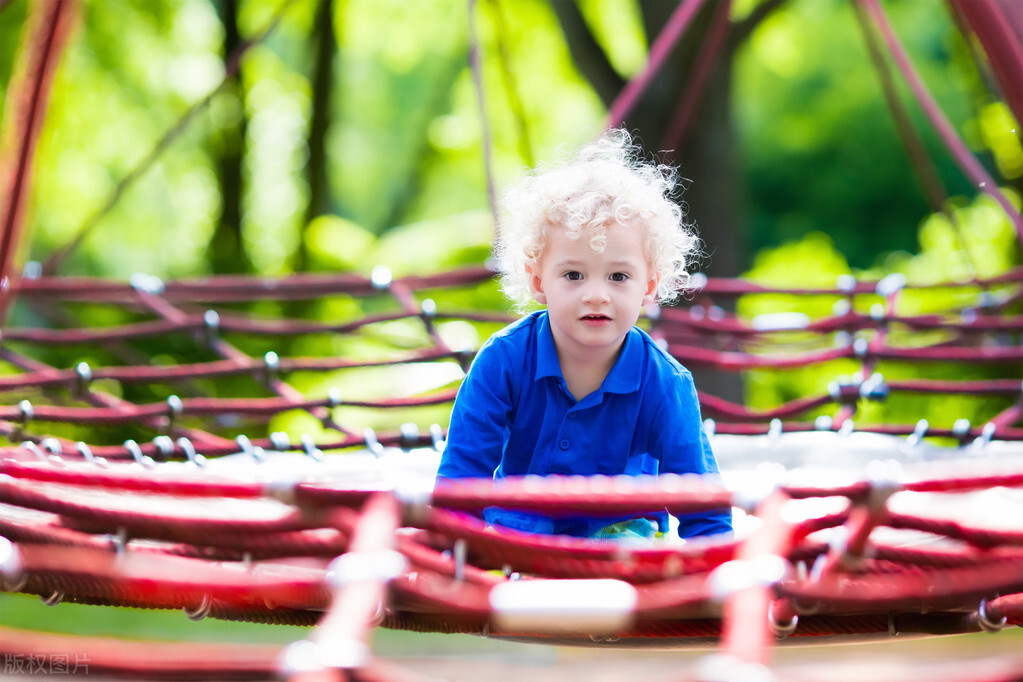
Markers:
point(761, 486)
point(594, 607)
point(305, 656)
point(728, 668)
point(355, 567)
point(740, 574)
point(885, 478)
point(769, 322)
point(11, 565)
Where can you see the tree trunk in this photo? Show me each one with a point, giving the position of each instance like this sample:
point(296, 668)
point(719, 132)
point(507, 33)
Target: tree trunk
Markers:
point(226, 252)
point(325, 46)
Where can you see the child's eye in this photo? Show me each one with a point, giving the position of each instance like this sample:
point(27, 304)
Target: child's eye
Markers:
point(573, 276)
point(619, 277)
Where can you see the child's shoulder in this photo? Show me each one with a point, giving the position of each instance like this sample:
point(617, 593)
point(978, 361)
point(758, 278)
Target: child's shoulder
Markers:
point(659, 359)
point(516, 336)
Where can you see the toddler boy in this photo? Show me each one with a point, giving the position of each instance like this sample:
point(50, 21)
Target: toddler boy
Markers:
point(578, 389)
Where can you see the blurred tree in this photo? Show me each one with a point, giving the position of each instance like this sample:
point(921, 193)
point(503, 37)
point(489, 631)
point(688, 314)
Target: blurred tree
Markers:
point(226, 252)
point(324, 54)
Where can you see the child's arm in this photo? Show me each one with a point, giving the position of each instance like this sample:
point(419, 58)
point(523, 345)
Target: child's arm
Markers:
point(480, 417)
point(683, 448)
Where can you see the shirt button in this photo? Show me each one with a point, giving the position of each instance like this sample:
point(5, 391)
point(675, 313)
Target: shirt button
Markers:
point(571, 415)
point(564, 444)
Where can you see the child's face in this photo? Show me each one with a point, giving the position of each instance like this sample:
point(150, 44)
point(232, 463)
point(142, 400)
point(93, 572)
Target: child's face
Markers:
point(593, 299)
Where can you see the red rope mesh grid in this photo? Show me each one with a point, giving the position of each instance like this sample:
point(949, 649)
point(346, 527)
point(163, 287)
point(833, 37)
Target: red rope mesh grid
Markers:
point(165, 520)
point(280, 533)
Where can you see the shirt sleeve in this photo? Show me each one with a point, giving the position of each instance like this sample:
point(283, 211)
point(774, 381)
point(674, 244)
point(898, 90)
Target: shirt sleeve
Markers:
point(480, 417)
point(682, 447)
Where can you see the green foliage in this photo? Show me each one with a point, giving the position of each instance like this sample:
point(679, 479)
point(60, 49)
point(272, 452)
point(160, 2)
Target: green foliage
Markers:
point(821, 151)
point(980, 243)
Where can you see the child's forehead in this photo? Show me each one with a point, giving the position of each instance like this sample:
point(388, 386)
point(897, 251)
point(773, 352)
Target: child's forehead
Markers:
point(594, 239)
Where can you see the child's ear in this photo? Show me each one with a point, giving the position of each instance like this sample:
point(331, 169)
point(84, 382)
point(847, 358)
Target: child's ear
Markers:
point(651, 290)
point(535, 283)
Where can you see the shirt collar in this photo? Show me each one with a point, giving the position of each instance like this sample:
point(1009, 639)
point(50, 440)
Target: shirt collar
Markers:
point(624, 376)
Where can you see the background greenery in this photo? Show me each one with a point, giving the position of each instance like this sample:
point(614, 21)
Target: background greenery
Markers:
point(353, 136)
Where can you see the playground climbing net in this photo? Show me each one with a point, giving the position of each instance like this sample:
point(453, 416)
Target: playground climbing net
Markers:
point(846, 527)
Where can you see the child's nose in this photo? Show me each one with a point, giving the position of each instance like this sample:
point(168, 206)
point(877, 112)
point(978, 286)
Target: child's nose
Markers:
point(596, 292)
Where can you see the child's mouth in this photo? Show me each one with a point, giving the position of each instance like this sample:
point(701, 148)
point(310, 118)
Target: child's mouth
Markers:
point(595, 320)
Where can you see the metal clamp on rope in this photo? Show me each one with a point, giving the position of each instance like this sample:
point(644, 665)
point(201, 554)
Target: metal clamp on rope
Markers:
point(53, 446)
point(248, 449)
point(986, 434)
point(437, 437)
point(189, 450)
point(136, 453)
point(165, 446)
point(428, 309)
point(333, 397)
point(34, 449)
point(310, 449)
point(890, 284)
point(372, 444)
point(843, 391)
point(26, 412)
point(87, 455)
point(781, 630)
point(280, 441)
point(174, 408)
point(380, 277)
point(919, 431)
point(211, 325)
point(874, 388)
point(984, 619)
point(272, 364)
point(201, 610)
point(409, 433)
point(961, 430)
point(83, 374)
point(146, 283)
point(355, 567)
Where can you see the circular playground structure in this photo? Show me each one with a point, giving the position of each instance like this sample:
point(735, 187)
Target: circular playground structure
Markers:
point(848, 527)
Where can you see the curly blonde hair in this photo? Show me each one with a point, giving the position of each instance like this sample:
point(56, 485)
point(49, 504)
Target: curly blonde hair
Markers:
point(607, 181)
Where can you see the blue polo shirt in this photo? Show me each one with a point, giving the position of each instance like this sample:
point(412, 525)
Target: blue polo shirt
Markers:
point(514, 416)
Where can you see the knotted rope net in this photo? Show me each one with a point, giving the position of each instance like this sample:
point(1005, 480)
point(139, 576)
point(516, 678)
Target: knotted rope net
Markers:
point(158, 481)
